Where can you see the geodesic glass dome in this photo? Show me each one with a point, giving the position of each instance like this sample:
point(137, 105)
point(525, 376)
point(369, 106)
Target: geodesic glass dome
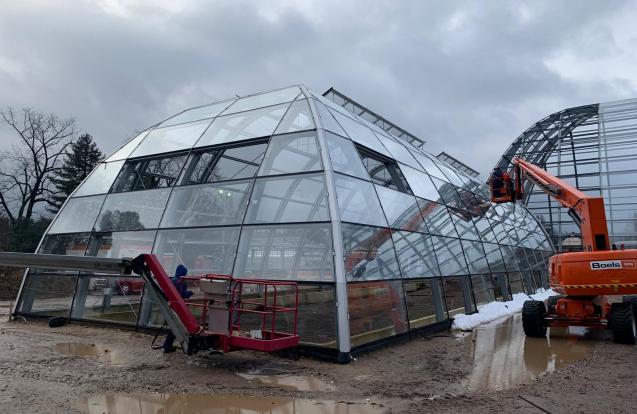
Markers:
point(382, 237)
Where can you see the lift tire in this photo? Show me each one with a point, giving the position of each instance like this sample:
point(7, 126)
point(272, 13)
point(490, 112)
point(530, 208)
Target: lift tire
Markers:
point(632, 300)
point(533, 318)
point(622, 323)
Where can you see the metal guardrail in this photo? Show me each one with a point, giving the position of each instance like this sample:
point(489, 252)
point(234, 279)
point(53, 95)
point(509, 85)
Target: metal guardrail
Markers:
point(61, 262)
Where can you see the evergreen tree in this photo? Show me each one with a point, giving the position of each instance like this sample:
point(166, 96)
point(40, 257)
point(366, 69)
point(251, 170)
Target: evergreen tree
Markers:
point(82, 156)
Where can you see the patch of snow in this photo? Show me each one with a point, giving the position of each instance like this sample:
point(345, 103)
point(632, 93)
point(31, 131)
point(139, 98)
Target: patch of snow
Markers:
point(495, 310)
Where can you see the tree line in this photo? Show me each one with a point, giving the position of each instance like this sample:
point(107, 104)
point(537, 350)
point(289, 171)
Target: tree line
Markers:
point(37, 174)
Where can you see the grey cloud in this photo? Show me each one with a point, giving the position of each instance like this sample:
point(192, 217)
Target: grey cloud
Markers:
point(466, 76)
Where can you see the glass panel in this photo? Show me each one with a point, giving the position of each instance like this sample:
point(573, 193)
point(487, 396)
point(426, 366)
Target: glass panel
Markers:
point(376, 311)
point(450, 257)
point(327, 120)
point(400, 153)
point(425, 302)
point(202, 251)
point(447, 192)
point(264, 99)
point(125, 211)
point(174, 138)
point(344, 156)
point(123, 244)
point(483, 290)
point(100, 180)
point(401, 210)
point(384, 171)
point(126, 150)
point(369, 253)
point(107, 298)
point(463, 223)
point(195, 114)
point(244, 125)
point(357, 201)
point(317, 315)
point(515, 283)
point(147, 174)
point(474, 253)
point(65, 244)
point(458, 295)
point(293, 251)
point(289, 199)
point(221, 164)
point(437, 218)
point(207, 205)
point(494, 257)
point(415, 254)
point(428, 165)
point(48, 293)
point(292, 153)
point(360, 133)
point(420, 183)
point(77, 215)
point(297, 118)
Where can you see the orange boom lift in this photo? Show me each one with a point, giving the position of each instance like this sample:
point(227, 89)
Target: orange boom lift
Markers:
point(584, 280)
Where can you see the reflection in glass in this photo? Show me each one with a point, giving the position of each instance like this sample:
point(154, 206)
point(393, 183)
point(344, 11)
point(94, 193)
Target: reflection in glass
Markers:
point(173, 138)
point(100, 180)
point(65, 244)
point(357, 201)
point(264, 99)
point(369, 253)
point(376, 310)
point(437, 218)
point(425, 302)
point(415, 254)
point(122, 244)
point(400, 153)
point(195, 114)
point(450, 257)
point(286, 252)
point(458, 295)
point(289, 199)
point(220, 164)
point(244, 125)
point(297, 118)
point(360, 133)
point(327, 120)
point(207, 205)
point(476, 258)
point(202, 251)
point(420, 183)
point(149, 173)
point(126, 150)
point(77, 215)
point(292, 153)
point(344, 157)
point(401, 210)
point(122, 212)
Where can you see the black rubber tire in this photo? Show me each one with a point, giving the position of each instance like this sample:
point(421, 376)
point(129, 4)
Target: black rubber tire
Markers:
point(622, 323)
point(533, 318)
point(632, 300)
point(57, 321)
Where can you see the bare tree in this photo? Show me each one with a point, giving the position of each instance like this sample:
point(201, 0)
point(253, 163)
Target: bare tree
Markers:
point(26, 170)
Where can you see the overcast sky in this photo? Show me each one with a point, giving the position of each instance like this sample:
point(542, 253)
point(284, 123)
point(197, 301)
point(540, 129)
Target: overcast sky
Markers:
point(468, 77)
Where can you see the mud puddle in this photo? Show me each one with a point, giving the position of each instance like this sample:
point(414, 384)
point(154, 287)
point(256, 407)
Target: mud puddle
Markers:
point(505, 358)
point(216, 404)
point(291, 382)
point(103, 354)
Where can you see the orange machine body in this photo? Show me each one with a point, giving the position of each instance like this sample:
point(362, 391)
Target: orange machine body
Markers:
point(610, 272)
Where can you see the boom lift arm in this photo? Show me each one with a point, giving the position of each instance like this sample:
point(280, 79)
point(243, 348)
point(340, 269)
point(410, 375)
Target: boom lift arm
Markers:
point(587, 211)
point(583, 279)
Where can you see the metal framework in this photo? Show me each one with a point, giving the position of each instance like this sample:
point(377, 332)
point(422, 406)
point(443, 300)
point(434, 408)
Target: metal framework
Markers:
point(457, 164)
point(370, 116)
point(594, 148)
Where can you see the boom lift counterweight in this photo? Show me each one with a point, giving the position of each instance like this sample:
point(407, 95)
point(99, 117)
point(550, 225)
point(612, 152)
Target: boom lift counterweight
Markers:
point(584, 279)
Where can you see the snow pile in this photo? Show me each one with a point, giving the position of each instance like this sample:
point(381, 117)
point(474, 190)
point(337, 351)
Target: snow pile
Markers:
point(495, 310)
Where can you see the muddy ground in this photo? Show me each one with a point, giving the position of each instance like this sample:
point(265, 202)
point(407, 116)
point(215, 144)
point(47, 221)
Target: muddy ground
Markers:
point(43, 369)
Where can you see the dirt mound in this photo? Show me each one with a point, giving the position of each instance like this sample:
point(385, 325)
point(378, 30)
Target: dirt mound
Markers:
point(10, 279)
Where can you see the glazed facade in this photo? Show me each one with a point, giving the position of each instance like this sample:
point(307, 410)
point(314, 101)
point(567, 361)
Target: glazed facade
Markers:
point(382, 237)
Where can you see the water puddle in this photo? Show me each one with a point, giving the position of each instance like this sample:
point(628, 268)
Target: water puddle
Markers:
point(291, 382)
point(505, 358)
point(216, 404)
point(103, 354)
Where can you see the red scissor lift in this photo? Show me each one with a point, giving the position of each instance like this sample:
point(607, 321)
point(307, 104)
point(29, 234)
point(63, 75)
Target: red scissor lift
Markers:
point(234, 298)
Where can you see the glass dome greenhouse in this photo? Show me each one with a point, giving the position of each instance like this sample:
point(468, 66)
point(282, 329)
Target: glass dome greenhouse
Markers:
point(382, 237)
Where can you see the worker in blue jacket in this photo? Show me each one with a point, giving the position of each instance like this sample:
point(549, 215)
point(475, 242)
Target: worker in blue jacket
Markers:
point(182, 288)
